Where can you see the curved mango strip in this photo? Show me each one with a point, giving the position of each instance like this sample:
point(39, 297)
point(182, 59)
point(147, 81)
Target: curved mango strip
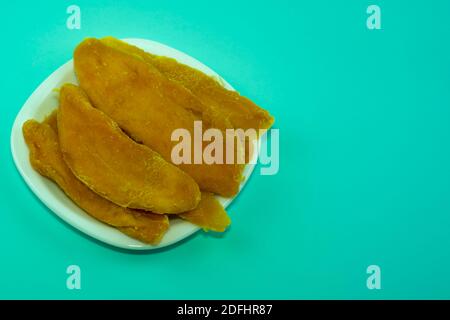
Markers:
point(47, 159)
point(113, 165)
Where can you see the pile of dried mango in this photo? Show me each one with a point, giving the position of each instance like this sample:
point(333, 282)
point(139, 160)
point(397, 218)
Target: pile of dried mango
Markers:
point(108, 144)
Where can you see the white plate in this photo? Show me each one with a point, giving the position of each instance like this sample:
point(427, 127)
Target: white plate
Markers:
point(43, 100)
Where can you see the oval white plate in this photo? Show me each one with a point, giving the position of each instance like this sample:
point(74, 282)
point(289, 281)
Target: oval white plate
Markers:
point(43, 100)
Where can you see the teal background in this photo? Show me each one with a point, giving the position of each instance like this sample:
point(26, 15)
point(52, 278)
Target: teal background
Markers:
point(364, 119)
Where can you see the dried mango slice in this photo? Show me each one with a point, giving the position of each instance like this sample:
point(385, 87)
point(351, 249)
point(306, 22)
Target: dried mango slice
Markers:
point(47, 159)
point(239, 110)
point(114, 166)
point(149, 108)
point(209, 214)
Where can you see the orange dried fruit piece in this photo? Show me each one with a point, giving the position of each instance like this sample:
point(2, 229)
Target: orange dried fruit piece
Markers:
point(113, 165)
point(240, 111)
point(209, 214)
point(47, 159)
point(149, 108)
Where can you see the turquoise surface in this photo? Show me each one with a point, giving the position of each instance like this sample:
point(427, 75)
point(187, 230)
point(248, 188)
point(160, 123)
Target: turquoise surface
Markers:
point(364, 119)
